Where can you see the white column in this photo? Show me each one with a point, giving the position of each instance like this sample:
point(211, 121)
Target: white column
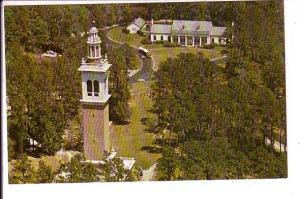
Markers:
point(208, 39)
point(193, 41)
point(171, 38)
point(185, 40)
point(199, 40)
point(178, 40)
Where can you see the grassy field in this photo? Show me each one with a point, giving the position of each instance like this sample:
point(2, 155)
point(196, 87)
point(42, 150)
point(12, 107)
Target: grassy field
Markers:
point(130, 39)
point(129, 140)
point(161, 54)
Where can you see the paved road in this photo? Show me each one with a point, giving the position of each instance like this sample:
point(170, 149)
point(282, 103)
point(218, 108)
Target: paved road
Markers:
point(146, 70)
point(219, 59)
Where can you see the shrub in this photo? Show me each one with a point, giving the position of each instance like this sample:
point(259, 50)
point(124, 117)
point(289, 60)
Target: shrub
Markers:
point(169, 44)
point(126, 31)
point(146, 40)
point(140, 33)
point(208, 46)
point(222, 45)
point(158, 42)
point(224, 52)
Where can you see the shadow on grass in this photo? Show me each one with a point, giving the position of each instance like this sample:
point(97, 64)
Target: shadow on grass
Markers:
point(152, 149)
point(150, 126)
point(167, 141)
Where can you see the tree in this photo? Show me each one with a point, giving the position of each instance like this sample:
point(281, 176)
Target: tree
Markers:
point(218, 126)
point(44, 173)
point(113, 169)
point(167, 164)
point(22, 171)
point(131, 60)
point(119, 108)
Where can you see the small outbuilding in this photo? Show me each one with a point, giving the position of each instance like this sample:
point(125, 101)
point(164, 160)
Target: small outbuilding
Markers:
point(136, 25)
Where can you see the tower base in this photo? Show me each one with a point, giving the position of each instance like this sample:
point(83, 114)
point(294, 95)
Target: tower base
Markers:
point(95, 124)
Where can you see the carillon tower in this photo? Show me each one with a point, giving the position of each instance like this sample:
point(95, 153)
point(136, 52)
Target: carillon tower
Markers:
point(94, 103)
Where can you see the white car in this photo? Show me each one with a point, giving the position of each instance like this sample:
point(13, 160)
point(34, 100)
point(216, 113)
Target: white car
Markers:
point(50, 53)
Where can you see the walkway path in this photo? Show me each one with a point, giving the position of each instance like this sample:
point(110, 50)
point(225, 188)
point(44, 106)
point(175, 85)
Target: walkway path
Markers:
point(149, 173)
point(219, 59)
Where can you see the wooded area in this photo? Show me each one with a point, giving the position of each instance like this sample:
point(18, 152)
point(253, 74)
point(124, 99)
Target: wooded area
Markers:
point(219, 119)
point(213, 122)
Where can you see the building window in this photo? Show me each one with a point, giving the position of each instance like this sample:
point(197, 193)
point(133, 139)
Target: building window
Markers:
point(154, 37)
point(169, 38)
point(212, 40)
point(204, 40)
point(175, 39)
point(147, 27)
point(196, 41)
point(220, 40)
point(89, 88)
point(97, 51)
point(96, 88)
point(162, 38)
point(94, 51)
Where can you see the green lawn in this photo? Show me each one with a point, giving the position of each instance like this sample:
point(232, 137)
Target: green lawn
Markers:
point(161, 54)
point(128, 140)
point(130, 39)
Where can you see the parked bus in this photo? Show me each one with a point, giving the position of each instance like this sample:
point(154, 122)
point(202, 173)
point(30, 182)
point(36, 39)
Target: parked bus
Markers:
point(143, 52)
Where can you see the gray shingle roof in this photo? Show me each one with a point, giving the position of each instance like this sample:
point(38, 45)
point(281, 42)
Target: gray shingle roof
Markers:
point(218, 31)
point(161, 28)
point(191, 27)
point(139, 22)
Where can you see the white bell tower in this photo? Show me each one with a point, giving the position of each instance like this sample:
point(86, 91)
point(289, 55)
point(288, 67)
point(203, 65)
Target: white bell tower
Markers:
point(94, 103)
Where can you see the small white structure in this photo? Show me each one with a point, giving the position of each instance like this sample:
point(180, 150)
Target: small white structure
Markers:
point(136, 25)
point(50, 53)
point(217, 35)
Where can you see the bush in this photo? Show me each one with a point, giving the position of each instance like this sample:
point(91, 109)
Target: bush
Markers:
point(126, 31)
point(224, 52)
point(208, 46)
point(158, 42)
point(222, 45)
point(169, 44)
point(140, 33)
point(146, 40)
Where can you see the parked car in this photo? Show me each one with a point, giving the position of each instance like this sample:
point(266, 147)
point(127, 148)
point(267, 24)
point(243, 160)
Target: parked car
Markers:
point(50, 53)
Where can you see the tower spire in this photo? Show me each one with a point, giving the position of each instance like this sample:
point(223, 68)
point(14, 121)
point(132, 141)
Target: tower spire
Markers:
point(94, 43)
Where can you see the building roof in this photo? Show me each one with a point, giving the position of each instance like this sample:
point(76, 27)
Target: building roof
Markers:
point(161, 28)
point(139, 22)
point(218, 31)
point(191, 27)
